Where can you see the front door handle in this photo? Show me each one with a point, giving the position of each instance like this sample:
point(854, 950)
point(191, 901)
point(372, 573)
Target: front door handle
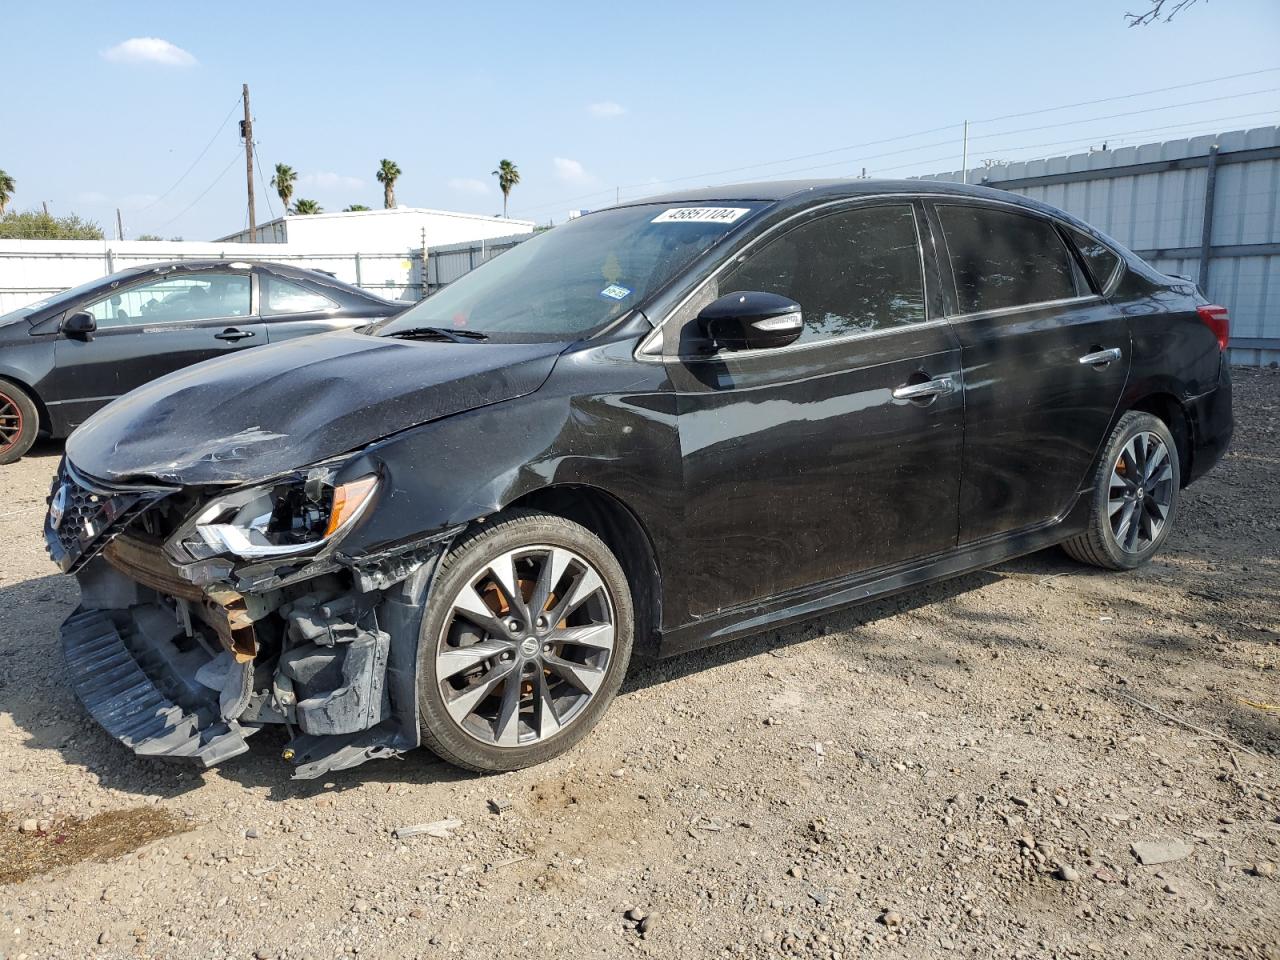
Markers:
point(232, 334)
point(1100, 358)
point(938, 387)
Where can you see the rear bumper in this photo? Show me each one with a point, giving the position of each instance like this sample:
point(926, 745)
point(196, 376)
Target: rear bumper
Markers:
point(1212, 423)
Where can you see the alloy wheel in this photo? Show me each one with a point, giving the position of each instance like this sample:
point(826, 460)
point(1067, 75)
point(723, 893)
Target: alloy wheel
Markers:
point(10, 422)
point(525, 646)
point(1141, 492)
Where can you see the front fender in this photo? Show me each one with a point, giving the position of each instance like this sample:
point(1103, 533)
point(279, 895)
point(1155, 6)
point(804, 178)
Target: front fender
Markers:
point(470, 465)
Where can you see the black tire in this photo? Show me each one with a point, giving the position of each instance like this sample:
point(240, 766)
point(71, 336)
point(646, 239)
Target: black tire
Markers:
point(19, 422)
point(469, 559)
point(1099, 544)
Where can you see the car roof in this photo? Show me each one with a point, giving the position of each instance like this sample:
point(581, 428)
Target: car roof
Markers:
point(242, 263)
point(795, 191)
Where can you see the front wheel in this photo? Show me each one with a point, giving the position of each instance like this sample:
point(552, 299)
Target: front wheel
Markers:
point(1135, 495)
point(525, 641)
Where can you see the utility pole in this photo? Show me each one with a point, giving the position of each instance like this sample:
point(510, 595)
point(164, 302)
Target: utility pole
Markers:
point(246, 131)
point(120, 221)
point(964, 162)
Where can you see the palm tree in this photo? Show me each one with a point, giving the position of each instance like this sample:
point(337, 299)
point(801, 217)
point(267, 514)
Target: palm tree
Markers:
point(508, 176)
point(355, 208)
point(388, 174)
point(283, 181)
point(305, 207)
point(8, 186)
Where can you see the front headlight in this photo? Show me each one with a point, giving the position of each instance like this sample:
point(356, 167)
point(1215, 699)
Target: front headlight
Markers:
point(293, 515)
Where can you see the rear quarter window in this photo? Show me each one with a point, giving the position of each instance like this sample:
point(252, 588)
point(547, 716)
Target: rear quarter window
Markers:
point(1099, 259)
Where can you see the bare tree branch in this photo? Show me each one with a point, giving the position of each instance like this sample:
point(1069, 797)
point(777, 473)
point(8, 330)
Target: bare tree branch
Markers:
point(1156, 12)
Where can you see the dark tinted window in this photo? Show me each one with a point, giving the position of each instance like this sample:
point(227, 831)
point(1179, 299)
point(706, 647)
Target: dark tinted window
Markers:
point(1004, 259)
point(850, 272)
point(1098, 257)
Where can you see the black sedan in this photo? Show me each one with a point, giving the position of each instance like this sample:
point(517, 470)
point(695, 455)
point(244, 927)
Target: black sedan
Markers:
point(63, 358)
point(657, 427)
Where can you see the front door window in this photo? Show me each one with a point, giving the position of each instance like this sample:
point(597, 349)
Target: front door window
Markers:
point(174, 299)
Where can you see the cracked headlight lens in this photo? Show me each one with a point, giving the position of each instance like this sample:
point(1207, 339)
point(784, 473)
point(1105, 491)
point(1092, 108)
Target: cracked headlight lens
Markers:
point(291, 516)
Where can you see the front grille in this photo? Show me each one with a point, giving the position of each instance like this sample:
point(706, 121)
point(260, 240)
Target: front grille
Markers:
point(85, 515)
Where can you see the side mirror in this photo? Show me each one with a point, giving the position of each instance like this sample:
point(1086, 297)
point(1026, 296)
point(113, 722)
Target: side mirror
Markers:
point(748, 320)
point(80, 326)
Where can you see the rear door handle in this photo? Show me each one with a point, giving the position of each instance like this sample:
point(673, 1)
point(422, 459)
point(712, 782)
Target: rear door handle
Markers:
point(1101, 358)
point(939, 387)
point(232, 334)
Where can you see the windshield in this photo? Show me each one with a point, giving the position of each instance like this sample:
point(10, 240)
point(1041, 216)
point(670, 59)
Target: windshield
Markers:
point(66, 296)
point(574, 279)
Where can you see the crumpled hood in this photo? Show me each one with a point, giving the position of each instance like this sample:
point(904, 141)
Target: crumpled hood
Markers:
point(258, 413)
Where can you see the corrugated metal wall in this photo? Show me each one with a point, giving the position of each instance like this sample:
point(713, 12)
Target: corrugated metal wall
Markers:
point(1152, 198)
point(447, 262)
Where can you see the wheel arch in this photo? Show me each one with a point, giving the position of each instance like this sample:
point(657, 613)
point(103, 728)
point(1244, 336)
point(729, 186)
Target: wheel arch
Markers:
point(45, 424)
point(1167, 408)
point(626, 537)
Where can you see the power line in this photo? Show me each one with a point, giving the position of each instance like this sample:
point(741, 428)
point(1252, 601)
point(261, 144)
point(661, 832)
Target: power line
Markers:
point(257, 158)
point(1129, 96)
point(216, 181)
point(907, 136)
point(197, 159)
point(1128, 113)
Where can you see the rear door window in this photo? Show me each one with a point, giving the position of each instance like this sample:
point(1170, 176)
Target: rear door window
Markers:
point(1003, 259)
point(851, 272)
point(282, 297)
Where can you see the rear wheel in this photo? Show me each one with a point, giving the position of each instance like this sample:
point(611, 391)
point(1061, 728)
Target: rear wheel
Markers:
point(525, 641)
point(1135, 495)
point(19, 422)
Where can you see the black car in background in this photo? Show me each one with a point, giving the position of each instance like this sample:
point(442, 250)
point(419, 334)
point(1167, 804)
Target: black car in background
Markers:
point(63, 358)
point(656, 427)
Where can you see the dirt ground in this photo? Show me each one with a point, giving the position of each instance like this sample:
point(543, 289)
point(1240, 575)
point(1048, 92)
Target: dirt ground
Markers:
point(962, 770)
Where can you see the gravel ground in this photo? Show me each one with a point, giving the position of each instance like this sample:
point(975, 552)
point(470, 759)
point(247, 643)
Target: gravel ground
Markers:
point(968, 769)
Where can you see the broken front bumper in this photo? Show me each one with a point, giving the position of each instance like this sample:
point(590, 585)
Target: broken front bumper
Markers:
point(176, 670)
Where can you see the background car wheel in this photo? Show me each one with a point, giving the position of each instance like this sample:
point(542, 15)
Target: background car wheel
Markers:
point(19, 422)
point(525, 641)
point(1135, 495)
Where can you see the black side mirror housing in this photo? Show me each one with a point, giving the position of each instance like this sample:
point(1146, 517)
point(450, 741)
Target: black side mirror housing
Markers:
point(80, 326)
point(750, 320)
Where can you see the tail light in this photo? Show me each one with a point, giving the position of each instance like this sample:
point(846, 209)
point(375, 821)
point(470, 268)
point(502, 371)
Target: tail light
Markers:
point(1217, 320)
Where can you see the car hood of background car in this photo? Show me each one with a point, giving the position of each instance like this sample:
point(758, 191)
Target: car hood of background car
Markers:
point(257, 414)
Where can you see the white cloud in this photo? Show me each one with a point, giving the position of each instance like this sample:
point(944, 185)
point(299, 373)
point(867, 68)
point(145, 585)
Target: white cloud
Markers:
point(149, 50)
point(571, 171)
point(606, 108)
point(469, 185)
point(327, 180)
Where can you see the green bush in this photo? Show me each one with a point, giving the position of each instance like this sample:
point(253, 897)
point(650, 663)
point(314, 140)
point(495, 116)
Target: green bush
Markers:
point(37, 225)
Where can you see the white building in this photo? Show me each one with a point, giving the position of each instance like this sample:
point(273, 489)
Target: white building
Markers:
point(402, 228)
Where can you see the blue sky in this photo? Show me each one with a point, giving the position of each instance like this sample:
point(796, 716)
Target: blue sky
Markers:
point(584, 97)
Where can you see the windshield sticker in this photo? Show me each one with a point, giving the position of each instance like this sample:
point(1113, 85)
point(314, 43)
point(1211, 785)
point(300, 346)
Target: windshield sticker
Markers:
point(615, 292)
point(700, 215)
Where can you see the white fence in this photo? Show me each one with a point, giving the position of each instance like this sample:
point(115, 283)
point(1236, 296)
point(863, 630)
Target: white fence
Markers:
point(32, 270)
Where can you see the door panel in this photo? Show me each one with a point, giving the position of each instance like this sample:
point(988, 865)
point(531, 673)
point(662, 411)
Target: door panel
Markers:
point(150, 329)
point(1035, 416)
point(801, 467)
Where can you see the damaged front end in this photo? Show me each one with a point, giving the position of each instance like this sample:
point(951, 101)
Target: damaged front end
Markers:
point(208, 613)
